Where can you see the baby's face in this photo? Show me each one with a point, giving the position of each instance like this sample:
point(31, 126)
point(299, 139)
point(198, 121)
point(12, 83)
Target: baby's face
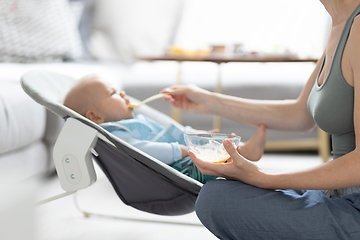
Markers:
point(111, 104)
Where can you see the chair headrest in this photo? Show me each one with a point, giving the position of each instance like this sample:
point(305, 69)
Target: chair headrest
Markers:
point(48, 89)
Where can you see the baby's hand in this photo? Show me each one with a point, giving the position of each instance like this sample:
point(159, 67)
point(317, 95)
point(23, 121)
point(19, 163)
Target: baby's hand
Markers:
point(184, 151)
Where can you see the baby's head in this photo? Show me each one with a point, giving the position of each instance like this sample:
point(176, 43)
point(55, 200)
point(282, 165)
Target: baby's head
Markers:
point(98, 101)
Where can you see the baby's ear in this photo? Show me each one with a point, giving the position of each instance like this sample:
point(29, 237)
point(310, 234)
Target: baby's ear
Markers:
point(94, 116)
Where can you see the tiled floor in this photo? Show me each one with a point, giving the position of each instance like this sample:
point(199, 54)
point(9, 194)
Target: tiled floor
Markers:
point(61, 220)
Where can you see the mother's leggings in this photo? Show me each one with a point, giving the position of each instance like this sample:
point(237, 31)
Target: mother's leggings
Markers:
point(234, 210)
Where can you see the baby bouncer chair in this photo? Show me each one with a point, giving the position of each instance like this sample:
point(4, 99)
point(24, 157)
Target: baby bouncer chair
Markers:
point(138, 179)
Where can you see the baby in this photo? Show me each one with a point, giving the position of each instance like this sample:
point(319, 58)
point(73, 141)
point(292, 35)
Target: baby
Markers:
point(103, 104)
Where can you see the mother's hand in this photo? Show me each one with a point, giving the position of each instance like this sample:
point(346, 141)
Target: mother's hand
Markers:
point(187, 97)
point(236, 168)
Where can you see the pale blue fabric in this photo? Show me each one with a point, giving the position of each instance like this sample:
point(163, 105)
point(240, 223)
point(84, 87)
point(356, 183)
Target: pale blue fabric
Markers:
point(161, 142)
point(234, 210)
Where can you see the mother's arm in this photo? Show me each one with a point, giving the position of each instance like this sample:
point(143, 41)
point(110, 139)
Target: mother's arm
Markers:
point(291, 115)
point(339, 173)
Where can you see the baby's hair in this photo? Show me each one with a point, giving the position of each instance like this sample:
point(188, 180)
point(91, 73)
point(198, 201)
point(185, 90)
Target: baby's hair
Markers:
point(88, 77)
point(79, 98)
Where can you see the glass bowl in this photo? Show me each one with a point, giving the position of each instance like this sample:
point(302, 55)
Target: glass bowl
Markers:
point(209, 146)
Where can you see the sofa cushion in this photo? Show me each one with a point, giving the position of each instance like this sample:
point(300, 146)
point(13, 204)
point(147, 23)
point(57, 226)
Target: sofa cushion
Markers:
point(38, 31)
point(22, 121)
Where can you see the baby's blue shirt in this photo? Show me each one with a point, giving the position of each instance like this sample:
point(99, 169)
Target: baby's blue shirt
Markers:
point(150, 137)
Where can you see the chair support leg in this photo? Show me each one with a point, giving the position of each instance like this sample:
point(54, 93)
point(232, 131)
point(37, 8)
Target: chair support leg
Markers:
point(72, 155)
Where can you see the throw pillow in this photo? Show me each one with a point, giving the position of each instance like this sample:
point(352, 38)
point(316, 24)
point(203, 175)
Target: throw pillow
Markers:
point(38, 31)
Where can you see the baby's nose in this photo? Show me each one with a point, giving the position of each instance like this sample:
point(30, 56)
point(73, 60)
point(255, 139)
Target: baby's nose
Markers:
point(122, 94)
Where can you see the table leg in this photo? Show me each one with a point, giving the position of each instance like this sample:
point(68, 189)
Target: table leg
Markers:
point(323, 145)
point(175, 112)
point(218, 89)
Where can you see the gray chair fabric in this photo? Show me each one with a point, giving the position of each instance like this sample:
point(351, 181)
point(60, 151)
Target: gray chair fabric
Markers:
point(139, 180)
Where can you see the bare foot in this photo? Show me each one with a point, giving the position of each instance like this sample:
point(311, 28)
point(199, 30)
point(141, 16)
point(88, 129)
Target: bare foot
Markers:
point(254, 148)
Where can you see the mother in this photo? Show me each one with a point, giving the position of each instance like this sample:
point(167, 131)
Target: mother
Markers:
point(247, 205)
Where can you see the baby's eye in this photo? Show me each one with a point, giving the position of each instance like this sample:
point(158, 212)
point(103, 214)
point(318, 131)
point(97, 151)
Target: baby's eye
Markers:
point(112, 92)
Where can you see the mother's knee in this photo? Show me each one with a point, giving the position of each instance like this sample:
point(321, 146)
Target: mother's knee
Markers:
point(206, 195)
point(210, 201)
point(216, 197)
point(208, 205)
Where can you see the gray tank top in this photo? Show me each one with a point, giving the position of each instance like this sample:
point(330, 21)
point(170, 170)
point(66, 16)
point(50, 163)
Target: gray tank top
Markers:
point(332, 106)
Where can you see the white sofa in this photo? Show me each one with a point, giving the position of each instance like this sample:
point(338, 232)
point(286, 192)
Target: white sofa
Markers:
point(28, 131)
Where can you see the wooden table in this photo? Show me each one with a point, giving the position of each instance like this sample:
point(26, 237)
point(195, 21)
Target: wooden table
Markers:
point(321, 144)
point(225, 58)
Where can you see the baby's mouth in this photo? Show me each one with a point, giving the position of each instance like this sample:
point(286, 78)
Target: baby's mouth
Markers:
point(132, 105)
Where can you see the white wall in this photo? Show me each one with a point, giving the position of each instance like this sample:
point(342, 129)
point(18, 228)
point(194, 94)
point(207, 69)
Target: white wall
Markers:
point(260, 25)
